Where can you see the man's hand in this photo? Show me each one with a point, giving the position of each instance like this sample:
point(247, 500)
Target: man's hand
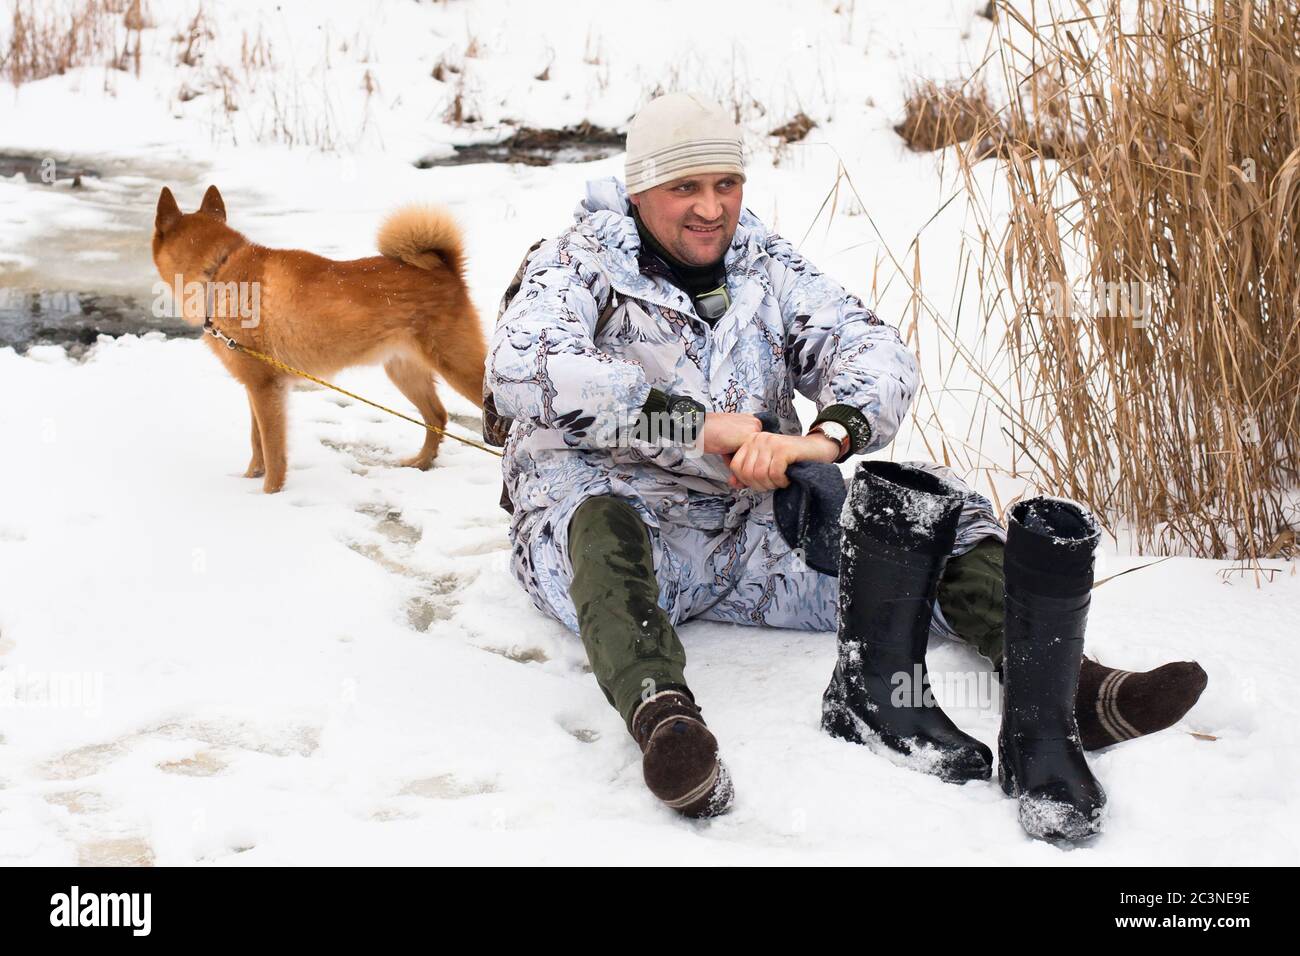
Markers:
point(760, 463)
point(725, 432)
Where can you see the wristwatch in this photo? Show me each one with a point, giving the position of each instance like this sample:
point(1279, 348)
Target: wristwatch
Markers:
point(686, 416)
point(836, 433)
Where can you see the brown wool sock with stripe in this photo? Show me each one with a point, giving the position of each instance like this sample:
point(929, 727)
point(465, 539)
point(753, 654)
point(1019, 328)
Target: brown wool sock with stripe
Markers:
point(1114, 705)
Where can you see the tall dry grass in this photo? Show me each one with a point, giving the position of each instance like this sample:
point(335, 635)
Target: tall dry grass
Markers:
point(49, 39)
point(1148, 275)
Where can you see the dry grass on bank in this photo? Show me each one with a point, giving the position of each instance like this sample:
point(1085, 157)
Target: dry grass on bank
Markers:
point(49, 40)
point(1149, 281)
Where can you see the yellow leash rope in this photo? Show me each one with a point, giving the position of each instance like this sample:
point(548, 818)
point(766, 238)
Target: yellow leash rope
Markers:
point(276, 363)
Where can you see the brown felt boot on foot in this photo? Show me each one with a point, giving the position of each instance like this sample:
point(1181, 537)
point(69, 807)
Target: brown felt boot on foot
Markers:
point(1114, 705)
point(680, 756)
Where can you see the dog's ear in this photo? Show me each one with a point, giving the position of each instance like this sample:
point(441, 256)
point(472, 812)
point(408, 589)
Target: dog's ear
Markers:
point(168, 212)
point(213, 204)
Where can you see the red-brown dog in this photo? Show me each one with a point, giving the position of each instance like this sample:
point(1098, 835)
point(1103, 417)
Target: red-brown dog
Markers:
point(407, 309)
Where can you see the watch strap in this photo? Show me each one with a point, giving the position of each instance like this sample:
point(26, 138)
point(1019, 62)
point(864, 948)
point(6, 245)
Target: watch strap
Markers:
point(854, 422)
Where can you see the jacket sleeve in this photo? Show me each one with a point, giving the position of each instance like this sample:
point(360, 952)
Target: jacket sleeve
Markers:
point(543, 365)
point(844, 358)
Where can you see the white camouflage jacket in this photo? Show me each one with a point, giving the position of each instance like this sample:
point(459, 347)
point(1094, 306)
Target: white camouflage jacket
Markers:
point(572, 391)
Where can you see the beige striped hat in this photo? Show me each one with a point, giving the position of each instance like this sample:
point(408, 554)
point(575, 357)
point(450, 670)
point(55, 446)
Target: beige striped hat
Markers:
point(678, 135)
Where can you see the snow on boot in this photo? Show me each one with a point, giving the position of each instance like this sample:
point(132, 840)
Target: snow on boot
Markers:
point(679, 756)
point(1115, 705)
point(899, 526)
point(1048, 587)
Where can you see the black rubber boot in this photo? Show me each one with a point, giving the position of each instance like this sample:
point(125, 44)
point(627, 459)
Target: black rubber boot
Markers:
point(899, 527)
point(1048, 588)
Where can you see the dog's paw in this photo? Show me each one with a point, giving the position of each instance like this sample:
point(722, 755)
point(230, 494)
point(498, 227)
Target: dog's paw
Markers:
point(422, 462)
point(255, 471)
point(271, 487)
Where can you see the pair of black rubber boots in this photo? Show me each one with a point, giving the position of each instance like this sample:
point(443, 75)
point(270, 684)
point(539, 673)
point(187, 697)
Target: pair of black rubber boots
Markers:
point(900, 525)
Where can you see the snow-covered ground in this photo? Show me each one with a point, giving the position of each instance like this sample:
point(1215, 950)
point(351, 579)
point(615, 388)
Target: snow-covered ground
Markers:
point(192, 671)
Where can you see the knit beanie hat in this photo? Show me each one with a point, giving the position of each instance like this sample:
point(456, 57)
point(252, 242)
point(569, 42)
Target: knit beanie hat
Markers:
point(678, 135)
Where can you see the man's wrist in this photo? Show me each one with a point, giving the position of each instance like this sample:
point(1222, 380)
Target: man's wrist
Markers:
point(827, 448)
point(853, 422)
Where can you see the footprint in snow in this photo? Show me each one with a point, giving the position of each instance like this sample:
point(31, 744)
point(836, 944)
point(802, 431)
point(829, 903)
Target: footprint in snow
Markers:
point(364, 453)
point(300, 740)
point(205, 763)
point(78, 802)
point(390, 524)
point(123, 851)
point(446, 786)
point(436, 599)
point(518, 654)
point(578, 727)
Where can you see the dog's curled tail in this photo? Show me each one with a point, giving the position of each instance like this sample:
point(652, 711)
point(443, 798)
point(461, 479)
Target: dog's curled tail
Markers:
point(423, 236)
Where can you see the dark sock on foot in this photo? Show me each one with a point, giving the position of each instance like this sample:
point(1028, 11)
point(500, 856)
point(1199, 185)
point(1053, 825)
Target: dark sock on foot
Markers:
point(1114, 705)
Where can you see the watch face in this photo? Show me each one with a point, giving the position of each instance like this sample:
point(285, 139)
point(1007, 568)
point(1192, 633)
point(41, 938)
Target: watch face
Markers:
point(687, 416)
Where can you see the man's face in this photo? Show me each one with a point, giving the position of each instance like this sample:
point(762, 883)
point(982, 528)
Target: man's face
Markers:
point(694, 217)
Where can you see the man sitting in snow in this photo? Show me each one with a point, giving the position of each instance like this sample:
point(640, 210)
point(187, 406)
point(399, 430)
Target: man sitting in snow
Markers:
point(635, 357)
